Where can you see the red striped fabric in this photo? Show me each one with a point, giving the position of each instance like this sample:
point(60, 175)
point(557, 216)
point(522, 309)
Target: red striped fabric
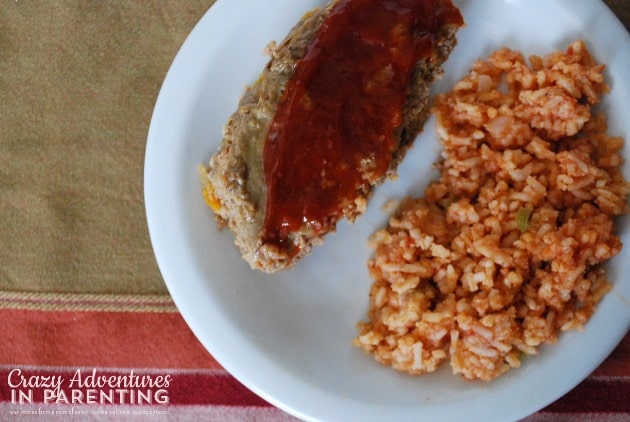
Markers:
point(45, 344)
point(104, 339)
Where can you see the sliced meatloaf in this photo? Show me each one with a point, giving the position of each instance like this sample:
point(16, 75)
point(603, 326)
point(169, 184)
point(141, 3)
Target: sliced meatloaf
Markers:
point(237, 184)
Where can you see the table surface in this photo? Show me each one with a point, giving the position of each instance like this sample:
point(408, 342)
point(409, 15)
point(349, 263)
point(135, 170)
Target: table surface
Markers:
point(79, 286)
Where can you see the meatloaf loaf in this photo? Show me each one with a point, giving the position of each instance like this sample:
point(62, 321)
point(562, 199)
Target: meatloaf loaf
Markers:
point(282, 178)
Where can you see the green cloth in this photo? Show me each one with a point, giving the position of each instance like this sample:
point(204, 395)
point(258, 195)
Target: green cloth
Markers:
point(78, 83)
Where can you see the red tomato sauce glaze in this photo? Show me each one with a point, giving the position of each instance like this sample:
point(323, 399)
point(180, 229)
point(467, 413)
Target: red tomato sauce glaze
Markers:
point(333, 132)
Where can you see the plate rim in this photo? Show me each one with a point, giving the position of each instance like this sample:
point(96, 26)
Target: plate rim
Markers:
point(158, 239)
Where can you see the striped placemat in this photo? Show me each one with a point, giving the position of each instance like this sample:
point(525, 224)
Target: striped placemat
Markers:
point(80, 343)
point(160, 370)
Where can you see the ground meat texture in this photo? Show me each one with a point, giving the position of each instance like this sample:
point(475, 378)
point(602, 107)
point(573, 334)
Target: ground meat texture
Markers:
point(241, 188)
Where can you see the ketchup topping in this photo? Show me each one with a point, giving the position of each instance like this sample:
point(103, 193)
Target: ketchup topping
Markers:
point(333, 132)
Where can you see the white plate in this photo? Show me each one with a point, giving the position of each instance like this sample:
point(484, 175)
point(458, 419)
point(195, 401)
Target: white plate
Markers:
point(288, 337)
